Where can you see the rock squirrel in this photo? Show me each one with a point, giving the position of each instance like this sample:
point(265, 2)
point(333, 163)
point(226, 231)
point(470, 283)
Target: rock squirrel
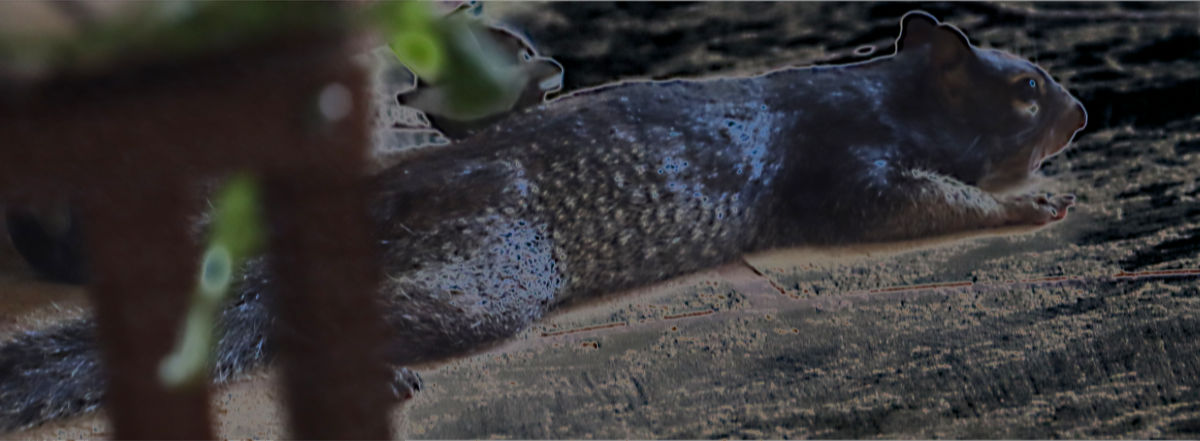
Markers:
point(633, 183)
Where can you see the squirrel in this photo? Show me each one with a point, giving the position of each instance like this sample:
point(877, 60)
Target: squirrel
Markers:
point(628, 184)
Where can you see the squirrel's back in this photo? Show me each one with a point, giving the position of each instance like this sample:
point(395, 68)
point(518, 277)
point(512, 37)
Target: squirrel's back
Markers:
point(593, 193)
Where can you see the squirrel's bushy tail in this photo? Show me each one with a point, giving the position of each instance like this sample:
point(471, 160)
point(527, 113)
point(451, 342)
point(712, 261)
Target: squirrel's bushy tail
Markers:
point(49, 374)
point(57, 372)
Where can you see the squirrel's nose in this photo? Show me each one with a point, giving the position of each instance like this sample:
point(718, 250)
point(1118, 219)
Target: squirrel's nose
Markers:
point(1081, 116)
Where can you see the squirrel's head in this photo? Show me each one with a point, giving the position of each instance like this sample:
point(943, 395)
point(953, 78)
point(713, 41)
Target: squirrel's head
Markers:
point(1012, 113)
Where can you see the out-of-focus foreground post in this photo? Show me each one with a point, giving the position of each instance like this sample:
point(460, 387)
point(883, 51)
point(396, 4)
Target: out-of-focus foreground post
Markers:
point(127, 142)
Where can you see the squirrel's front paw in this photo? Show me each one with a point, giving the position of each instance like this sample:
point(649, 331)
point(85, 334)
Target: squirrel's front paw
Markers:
point(1038, 209)
point(405, 383)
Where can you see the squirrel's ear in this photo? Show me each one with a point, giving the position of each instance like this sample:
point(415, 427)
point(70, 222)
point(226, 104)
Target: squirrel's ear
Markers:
point(947, 44)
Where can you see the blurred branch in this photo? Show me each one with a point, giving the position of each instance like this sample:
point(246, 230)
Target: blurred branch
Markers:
point(238, 233)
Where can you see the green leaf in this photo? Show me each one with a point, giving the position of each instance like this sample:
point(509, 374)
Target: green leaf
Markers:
point(420, 52)
point(237, 223)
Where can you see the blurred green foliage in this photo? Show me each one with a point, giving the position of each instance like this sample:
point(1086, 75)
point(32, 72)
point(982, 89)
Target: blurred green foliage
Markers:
point(472, 75)
point(454, 52)
point(238, 233)
point(411, 30)
point(161, 29)
point(237, 220)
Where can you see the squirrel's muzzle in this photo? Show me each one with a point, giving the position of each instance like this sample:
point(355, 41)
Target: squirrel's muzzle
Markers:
point(1071, 123)
point(1080, 116)
point(1061, 134)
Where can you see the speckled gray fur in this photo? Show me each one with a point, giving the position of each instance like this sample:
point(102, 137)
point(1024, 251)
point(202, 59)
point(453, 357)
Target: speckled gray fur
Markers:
point(634, 183)
point(547, 215)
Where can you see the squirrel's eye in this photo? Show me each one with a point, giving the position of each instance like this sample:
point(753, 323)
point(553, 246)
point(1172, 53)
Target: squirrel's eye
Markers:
point(1033, 83)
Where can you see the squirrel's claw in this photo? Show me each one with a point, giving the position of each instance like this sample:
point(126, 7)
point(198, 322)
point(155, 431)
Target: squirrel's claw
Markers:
point(405, 384)
point(1038, 209)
